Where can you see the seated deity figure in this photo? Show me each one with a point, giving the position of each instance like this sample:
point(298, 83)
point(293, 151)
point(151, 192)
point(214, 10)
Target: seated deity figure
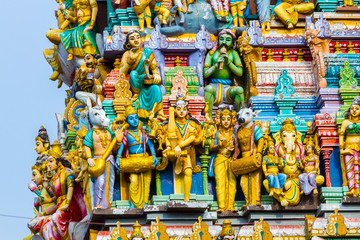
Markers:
point(310, 178)
point(219, 67)
point(140, 62)
point(349, 143)
point(223, 143)
point(136, 156)
point(183, 132)
point(270, 166)
point(82, 21)
point(42, 146)
point(288, 11)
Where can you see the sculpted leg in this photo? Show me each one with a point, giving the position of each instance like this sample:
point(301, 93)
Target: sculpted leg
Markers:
point(256, 179)
point(148, 17)
point(54, 36)
point(209, 96)
point(187, 183)
point(305, 8)
point(134, 188)
point(232, 190)
point(237, 95)
point(220, 177)
point(244, 183)
point(234, 15)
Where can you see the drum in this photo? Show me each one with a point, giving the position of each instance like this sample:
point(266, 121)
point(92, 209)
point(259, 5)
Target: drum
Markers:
point(244, 165)
point(136, 163)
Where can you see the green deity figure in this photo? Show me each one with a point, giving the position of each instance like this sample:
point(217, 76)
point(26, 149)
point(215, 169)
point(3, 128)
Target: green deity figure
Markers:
point(219, 67)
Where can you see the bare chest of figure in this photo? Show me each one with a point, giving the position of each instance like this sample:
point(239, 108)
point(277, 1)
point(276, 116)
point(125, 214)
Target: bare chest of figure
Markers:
point(101, 140)
point(227, 139)
point(244, 138)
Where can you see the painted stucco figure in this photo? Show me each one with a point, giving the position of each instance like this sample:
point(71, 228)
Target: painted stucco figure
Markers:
point(219, 66)
point(101, 163)
point(144, 77)
point(237, 8)
point(310, 178)
point(82, 20)
point(182, 132)
point(248, 157)
point(270, 166)
point(223, 142)
point(349, 144)
point(136, 156)
point(288, 11)
point(289, 149)
point(42, 146)
point(143, 12)
point(263, 11)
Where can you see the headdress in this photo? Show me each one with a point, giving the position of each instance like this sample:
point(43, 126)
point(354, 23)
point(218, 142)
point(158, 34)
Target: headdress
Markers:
point(55, 150)
point(227, 31)
point(136, 231)
point(288, 125)
point(88, 48)
point(129, 110)
point(42, 135)
point(227, 229)
point(180, 99)
point(226, 112)
point(356, 101)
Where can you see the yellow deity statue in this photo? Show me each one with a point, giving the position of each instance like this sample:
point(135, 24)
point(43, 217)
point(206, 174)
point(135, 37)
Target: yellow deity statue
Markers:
point(223, 142)
point(183, 132)
point(288, 11)
point(143, 12)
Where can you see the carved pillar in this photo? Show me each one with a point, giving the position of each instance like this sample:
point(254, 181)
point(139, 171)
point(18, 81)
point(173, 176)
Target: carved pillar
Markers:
point(326, 152)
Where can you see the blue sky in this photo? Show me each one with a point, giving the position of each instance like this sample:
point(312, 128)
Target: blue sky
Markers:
point(29, 99)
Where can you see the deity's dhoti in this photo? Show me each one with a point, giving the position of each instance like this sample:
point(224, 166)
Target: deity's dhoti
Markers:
point(103, 188)
point(222, 87)
point(225, 183)
point(307, 182)
point(352, 170)
point(139, 187)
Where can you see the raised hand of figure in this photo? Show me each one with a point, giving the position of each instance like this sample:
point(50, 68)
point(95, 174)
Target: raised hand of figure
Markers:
point(155, 161)
point(220, 60)
point(119, 135)
point(46, 199)
point(177, 151)
point(91, 162)
point(258, 158)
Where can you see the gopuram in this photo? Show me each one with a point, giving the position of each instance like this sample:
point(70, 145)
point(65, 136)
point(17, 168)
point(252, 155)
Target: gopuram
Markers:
point(201, 120)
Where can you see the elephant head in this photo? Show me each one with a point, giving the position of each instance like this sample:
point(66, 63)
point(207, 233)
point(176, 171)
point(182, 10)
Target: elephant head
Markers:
point(288, 136)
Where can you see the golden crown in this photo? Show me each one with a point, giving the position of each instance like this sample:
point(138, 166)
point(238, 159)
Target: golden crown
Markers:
point(88, 47)
point(129, 110)
point(288, 125)
point(225, 112)
point(55, 150)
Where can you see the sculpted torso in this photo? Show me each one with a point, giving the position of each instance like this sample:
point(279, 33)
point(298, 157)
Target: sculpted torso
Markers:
point(101, 142)
point(244, 137)
point(291, 165)
point(225, 72)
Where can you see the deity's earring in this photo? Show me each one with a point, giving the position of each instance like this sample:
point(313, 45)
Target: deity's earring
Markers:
point(128, 46)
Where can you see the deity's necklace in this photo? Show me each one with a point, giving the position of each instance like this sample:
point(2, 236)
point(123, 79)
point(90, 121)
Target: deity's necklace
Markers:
point(137, 136)
point(182, 129)
point(103, 138)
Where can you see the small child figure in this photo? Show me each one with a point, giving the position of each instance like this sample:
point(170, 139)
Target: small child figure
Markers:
point(270, 166)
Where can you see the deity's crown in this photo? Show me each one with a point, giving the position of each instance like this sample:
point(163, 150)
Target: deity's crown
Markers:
point(270, 142)
point(356, 100)
point(55, 150)
point(288, 125)
point(225, 112)
point(82, 132)
point(136, 231)
point(310, 142)
point(227, 229)
point(129, 110)
point(88, 47)
point(42, 135)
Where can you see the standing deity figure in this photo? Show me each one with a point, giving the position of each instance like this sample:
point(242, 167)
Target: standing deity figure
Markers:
point(143, 12)
point(219, 66)
point(270, 166)
point(288, 11)
point(263, 11)
point(289, 148)
point(183, 132)
point(237, 8)
point(144, 77)
point(98, 144)
point(311, 176)
point(42, 146)
point(249, 145)
point(349, 143)
point(136, 156)
point(223, 142)
point(67, 195)
point(82, 21)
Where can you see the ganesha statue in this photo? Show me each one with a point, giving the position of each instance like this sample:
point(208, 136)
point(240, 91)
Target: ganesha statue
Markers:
point(289, 149)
